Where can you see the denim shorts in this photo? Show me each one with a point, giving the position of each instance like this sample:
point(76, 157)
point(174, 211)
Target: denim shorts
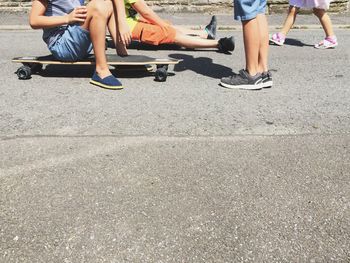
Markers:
point(74, 44)
point(248, 9)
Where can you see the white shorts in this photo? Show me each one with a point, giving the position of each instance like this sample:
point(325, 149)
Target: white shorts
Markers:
point(321, 4)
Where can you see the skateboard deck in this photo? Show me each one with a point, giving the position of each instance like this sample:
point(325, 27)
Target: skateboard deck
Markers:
point(32, 64)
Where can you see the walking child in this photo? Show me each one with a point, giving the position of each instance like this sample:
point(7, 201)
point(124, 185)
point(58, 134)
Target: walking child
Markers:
point(319, 8)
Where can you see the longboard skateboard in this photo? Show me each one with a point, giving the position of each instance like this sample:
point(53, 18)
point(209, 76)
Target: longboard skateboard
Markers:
point(35, 64)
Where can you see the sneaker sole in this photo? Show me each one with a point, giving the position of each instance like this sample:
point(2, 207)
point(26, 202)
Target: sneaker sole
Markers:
point(323, 47)
point(267, 84)
point(245, 87)
point(275, 42)
point(105, 86)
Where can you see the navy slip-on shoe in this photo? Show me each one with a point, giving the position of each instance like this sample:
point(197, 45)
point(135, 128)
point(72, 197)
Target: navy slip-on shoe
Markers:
point(109, 82)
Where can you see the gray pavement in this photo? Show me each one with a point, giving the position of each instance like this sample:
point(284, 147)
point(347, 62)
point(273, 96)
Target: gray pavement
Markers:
point(181, 171)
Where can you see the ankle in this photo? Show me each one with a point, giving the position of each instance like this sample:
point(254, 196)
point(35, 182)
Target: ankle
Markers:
point(282, 35)
point(252, 73)
point(103, 72)
point(332, 37)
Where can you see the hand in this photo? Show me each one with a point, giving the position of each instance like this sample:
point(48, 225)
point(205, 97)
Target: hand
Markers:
point(121, 49)
point(78, 14)
point(124, 33)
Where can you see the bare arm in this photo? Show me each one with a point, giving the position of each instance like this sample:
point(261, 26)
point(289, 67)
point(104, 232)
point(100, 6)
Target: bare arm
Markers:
point(147, 13)
point(38, 20)
point(123, 28)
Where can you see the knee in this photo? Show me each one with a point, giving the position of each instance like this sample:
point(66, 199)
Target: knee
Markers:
point(165, 31)
point(102, 8)
point(170, 34)
point(318, 12)
point(293, 10)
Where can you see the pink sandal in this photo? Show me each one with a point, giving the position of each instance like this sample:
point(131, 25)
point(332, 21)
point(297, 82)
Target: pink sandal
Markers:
point(278, 39)
point(328, 42)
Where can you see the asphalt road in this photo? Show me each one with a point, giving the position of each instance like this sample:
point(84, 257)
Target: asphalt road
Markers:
point(181, 171)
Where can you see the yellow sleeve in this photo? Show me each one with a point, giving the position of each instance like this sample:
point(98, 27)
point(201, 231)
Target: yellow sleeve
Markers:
point(128, 3)
point(131, 20)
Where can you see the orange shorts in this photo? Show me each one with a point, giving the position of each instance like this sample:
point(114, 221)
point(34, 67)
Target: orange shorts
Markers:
point(153, 34)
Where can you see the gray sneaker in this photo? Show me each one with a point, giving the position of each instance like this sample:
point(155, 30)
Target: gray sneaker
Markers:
point(242, 81)
point(211, 28)
point(266, 79)
point(226, 44)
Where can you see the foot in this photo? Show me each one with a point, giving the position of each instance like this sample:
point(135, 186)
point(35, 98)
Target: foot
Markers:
point(109, 82)
point(266, 79)
point(242, 81)
point(226, 44)
point(328, 42)
point(210, 29)
point(278, 39)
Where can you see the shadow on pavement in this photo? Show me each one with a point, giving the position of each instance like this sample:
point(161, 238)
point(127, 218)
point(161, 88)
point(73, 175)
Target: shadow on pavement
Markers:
point(201, 65)
point(143, 46)
point(75, 71)
point(296, 42)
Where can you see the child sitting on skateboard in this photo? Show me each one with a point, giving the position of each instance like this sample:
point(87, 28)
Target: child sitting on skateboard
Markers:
point(71, 31)
point(147, 27)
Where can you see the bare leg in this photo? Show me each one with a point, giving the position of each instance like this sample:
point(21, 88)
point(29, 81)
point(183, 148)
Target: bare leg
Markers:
point(290, 19)
point(251, 38)
point(186, 31)
point(99, 12)
point(193, 42)
point(264, 42)
point(325, 21)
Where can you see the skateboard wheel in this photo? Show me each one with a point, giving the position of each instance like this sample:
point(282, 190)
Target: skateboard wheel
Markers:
point(24, 72)
point(161, 74)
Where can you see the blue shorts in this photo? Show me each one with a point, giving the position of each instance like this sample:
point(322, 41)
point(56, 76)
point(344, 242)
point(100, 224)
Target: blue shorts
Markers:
point(248, 9)
point(74, 44)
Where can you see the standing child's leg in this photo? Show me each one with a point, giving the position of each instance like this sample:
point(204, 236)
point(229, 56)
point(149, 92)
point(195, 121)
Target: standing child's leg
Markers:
point(264, 42)
point(257, 49)
point(330, 40)
point(248, 78)
point(255, 32)
point(251, 38)
point(264, 51)
point(279, 38)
